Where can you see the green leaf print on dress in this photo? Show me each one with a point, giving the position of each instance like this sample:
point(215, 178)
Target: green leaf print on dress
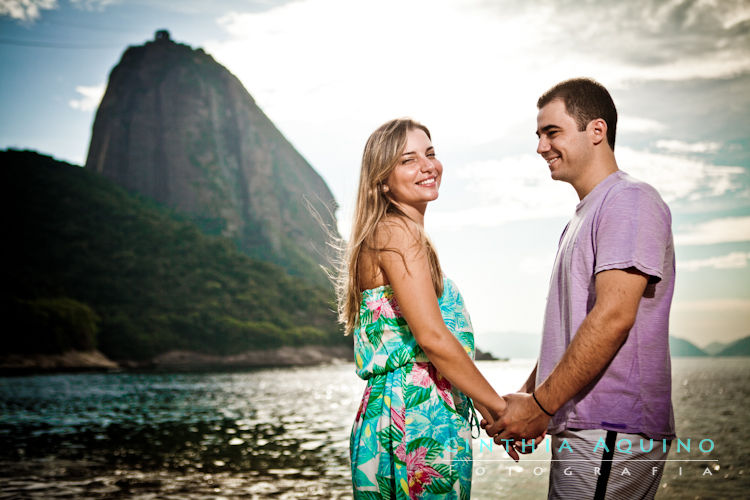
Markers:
point(411, 437)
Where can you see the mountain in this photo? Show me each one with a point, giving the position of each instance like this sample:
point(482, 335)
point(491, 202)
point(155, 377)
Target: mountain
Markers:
point(520, 345)
point(94, 266)
point(714, 348)
point(177, 127)
point(681, 348)
point(739, 347)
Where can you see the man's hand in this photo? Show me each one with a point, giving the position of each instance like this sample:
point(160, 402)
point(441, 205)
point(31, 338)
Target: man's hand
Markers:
point(522, 419)
point(488, 419)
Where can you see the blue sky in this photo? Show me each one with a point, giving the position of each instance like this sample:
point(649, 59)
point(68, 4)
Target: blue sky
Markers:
point(328, 72)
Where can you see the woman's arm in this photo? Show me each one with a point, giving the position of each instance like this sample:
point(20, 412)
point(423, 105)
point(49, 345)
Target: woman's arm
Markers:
point(530, 383)
point(408, 271)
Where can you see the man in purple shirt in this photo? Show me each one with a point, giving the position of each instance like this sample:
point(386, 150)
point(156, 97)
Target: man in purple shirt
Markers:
point(602, 384)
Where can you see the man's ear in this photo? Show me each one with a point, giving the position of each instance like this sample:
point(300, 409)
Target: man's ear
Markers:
point(597, 130)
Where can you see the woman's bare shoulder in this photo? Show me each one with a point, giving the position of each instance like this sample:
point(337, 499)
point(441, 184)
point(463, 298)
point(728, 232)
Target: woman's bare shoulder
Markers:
point(396, 232)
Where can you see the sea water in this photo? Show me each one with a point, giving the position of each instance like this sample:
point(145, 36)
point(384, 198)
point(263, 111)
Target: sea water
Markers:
point(284, 433)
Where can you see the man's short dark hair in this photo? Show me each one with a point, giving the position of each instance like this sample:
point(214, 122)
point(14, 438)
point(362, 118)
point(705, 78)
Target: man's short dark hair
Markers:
point(585, 100)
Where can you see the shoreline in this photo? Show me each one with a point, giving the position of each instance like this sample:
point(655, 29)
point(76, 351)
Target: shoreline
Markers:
point(67, 362)
point(95, 361)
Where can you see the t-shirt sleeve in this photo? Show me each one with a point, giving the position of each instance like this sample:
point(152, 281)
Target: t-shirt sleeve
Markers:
point(634, 229)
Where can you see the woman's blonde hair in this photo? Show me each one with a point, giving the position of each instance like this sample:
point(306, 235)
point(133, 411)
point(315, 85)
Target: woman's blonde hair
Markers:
point(381, 155)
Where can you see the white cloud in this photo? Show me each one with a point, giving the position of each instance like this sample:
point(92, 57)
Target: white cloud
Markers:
point(679, 177)
point(674, 146)
point(641, 39)
point(519, 188)
point(25, 10)
point(509, 189)
point(471, 73)
point(90, 98)
point(712, 305)
point(96, 5)
point(734, 260)
point(691, 67)
point(725, 230)
point(409, 58)
point(627, 123)
point(430, 60)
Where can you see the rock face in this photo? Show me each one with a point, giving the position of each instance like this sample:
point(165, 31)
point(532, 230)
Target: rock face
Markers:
point(176, 126)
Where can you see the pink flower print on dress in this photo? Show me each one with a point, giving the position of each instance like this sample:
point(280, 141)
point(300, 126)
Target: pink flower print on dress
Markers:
point(426, 375)
point(418, 472)
point(443, 387)
point(420, 374)
point(401, 451)
point(363, 403)
point(398, 418)
point(383, 306)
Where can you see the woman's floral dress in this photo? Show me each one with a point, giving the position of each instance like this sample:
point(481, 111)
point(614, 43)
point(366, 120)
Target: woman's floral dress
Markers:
point(412, 434)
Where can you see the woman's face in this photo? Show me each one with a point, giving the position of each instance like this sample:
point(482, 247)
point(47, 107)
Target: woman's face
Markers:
point(416, 178)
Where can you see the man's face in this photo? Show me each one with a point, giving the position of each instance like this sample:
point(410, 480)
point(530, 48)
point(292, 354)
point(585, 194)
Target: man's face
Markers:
point(566, 150)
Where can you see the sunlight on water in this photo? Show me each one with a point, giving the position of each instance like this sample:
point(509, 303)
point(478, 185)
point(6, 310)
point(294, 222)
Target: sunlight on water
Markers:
point(285, 433)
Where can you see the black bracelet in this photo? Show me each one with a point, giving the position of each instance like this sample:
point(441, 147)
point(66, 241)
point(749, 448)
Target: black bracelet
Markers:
point(540, 405)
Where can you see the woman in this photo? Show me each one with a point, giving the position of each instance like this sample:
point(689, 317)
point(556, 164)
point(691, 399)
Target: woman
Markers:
point(413, 338)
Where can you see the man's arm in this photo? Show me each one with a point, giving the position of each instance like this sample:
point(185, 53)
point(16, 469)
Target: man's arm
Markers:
point(598, 339)
point(605, 328)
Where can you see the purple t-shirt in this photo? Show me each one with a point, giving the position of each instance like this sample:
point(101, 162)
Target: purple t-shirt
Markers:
point(622, 223)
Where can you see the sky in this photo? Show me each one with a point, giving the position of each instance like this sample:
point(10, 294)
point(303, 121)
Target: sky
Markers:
point(329, 72)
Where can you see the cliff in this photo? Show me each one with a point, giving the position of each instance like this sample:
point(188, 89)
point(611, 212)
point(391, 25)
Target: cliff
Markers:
point(178, 127)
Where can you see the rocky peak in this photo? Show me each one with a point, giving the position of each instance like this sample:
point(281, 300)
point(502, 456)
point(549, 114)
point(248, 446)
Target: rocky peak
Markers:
point(176, 126)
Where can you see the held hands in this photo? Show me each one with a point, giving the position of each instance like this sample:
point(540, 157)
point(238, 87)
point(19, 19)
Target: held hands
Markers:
point(521, 421)
point(489, 416)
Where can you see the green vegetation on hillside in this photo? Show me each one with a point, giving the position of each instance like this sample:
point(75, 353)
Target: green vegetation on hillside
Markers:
point(681, 348)
point(739, 347)
point(93, 265)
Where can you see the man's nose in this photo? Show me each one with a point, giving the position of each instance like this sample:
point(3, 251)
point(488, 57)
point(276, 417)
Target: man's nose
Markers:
point(542, 145)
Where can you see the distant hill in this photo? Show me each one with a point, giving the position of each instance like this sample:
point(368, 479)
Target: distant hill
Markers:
point(739, 347)
point(681, 348)
point(526, 345)
point(92, 265)
point(179, 128)
point(715, 348)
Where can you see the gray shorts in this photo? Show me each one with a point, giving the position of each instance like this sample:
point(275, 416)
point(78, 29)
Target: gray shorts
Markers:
point(599, 464)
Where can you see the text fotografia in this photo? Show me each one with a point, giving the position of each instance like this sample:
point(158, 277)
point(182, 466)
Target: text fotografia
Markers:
point(619, 467)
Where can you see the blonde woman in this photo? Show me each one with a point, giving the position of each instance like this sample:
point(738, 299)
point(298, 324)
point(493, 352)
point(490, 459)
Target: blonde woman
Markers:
point(413, 338)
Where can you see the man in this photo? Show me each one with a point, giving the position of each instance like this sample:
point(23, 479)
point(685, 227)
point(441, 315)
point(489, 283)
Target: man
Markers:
point(602, 384)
